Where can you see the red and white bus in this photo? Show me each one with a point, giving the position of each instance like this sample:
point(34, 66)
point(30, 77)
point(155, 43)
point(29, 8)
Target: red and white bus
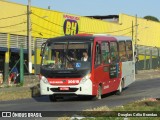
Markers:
point(109, 65)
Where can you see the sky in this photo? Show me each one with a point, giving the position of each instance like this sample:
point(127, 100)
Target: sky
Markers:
point(100, 7)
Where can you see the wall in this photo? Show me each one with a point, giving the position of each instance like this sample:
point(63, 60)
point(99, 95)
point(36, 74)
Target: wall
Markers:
point(13, 18)
point(49, 23)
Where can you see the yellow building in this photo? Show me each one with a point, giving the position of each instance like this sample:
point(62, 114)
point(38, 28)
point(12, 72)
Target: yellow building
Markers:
point(48, 23)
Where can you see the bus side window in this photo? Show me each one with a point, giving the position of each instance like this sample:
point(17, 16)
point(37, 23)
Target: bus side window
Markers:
point(122, 51)
point(114, 52)
point(105, 52)
point(129, 50)
point(97, 55)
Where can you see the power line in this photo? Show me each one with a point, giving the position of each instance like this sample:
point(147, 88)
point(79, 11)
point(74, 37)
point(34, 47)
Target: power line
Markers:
point(121, 30)
point(126, 33)
point(47, 20)
point(83, 31)
point(46, 28)
point(12, 16)
point(41, 33)
point(56, 23)
point(13, 25)
point(18, 31)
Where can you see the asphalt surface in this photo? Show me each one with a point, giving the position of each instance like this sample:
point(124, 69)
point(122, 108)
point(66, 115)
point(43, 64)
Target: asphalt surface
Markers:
point(138, 90)
point(147, 85)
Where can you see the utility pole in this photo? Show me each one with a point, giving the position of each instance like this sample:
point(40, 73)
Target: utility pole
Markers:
point(21, 65)
point(136, 31)
point(136, 50)
point(132, 30)
point(29, 36)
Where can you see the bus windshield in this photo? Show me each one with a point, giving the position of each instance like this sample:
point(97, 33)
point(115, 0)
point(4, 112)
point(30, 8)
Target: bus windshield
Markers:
point(67, 56)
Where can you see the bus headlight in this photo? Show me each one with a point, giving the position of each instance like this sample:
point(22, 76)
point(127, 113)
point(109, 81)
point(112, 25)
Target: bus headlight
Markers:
point(44, 80)
point(85, 78)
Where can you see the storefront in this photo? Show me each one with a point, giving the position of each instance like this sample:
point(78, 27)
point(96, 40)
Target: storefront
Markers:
point(2, 63)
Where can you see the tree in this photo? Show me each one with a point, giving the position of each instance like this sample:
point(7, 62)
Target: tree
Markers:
point(151, 18)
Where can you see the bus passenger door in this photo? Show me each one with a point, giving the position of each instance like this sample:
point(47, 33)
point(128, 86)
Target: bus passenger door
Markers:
point(106, 64)
point(114, 69)
point(98, 68)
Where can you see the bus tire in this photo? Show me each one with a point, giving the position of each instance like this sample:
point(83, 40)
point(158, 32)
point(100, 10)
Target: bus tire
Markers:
point(52, 98)
point(120, 89)
point(99, 93)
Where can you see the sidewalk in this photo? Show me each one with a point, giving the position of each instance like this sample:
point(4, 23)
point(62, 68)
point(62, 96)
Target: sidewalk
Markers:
point(14, 91)
point(148, 74)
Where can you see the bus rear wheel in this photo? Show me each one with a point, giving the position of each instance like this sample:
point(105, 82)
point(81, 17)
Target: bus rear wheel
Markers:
point(120, 89)
point(52, 98)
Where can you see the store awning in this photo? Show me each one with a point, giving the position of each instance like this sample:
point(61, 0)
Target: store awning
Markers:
point(17, 50)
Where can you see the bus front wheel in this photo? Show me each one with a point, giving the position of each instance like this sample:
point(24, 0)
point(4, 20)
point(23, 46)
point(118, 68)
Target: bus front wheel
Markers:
point(99, 93)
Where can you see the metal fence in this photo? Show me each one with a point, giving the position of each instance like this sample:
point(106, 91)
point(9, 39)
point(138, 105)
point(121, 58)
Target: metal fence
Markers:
point(151, 57)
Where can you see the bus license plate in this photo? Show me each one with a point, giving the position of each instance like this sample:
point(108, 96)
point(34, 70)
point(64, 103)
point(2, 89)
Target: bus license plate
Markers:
point(64, 88)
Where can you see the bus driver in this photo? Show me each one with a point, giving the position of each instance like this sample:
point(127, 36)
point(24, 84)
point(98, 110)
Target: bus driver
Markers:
point(85, 56)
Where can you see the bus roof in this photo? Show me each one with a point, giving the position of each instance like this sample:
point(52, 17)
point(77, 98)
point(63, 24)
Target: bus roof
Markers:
point(70, 38)
point(87, 37)
point(118, 38)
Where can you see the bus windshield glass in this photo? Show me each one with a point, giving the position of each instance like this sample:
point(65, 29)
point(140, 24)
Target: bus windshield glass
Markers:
point(67, 56)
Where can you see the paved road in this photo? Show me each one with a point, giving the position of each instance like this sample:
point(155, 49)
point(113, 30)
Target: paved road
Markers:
point(138, 90)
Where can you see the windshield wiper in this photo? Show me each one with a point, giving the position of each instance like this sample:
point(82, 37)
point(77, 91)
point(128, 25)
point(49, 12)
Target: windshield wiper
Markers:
point(72, 63)
point(65, 55)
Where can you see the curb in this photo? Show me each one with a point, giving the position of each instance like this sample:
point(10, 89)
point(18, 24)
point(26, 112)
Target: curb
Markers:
point(150, 77)
point(147, 74)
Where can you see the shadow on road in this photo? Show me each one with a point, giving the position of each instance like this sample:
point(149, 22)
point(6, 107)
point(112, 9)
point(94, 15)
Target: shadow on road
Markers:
point(71, 98)
point(37, 97)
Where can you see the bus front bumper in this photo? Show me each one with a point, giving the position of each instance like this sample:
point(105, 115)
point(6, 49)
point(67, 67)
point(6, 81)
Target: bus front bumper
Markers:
point(80, 89)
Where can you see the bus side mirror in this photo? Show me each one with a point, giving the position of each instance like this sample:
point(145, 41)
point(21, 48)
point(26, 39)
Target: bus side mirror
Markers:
point(98, 48)
point(42, 48)
point(41, 54)
point(109, 61)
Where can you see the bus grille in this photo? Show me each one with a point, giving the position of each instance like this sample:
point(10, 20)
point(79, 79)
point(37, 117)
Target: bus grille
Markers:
point(58, 90)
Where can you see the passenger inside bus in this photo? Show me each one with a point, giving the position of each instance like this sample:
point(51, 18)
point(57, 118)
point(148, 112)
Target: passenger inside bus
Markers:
point(85, 56)
point(114, 55)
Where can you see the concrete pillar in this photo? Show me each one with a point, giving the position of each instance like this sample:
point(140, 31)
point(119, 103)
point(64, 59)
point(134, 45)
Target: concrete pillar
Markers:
point(145, 59)
point(7, 57)
point(150, 61)
point(35, 56)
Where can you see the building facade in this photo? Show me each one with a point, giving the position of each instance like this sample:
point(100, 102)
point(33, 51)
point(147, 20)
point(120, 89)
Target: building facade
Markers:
point(48, 23)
